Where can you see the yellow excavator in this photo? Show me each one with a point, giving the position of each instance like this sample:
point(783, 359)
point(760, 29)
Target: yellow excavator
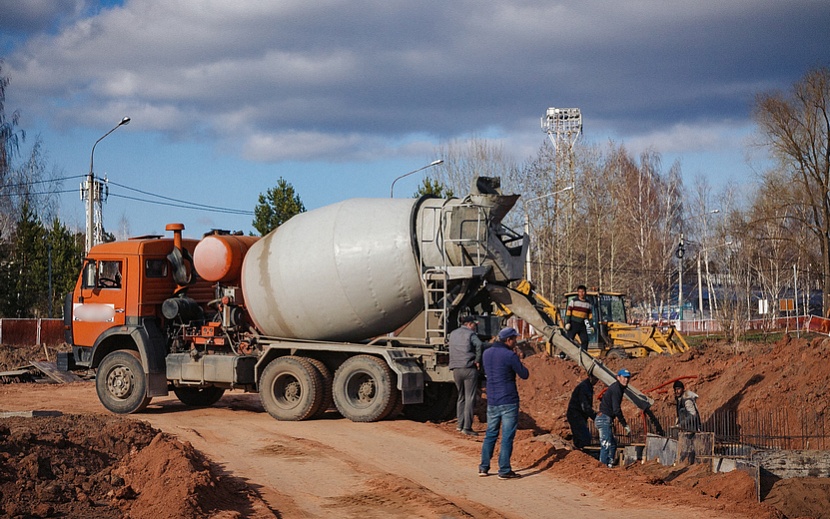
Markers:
point(612, 335)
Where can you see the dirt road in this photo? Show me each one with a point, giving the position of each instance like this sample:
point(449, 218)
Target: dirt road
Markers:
point(336, 468)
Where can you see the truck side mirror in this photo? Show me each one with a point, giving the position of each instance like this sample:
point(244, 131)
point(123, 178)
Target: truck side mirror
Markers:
point(90, 274)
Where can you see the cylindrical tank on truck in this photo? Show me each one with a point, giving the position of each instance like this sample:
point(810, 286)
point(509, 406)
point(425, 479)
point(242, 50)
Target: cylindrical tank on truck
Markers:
point(346, 306)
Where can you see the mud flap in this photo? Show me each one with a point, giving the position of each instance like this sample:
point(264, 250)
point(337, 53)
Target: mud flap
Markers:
point(156, 384)
point(410, 375)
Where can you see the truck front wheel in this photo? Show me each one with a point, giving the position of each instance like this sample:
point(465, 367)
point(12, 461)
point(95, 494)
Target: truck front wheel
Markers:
point(364, 389)
point(121, 384)
point(290, 389)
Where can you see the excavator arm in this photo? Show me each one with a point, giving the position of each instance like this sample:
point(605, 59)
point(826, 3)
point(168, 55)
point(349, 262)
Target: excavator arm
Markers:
point(524, 306)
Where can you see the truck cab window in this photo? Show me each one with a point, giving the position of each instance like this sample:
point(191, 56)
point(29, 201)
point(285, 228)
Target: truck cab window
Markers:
point(155, 268)
point(109, 274)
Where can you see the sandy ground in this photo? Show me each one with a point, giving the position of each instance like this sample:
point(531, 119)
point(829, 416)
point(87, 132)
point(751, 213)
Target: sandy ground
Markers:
point(336, 468)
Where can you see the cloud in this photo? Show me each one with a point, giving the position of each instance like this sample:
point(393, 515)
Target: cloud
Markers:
point(293, 79)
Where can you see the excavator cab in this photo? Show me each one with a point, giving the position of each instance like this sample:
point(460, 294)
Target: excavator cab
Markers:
point(614, 337)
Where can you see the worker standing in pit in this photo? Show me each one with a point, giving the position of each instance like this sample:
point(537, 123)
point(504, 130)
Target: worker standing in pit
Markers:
point(580, 410)
point(609, 409)
point(501, 365)
point(688, 417)
point(578, 316)
point(465, 360)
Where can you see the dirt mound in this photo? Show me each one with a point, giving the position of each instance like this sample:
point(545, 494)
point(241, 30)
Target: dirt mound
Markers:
point(109, 467)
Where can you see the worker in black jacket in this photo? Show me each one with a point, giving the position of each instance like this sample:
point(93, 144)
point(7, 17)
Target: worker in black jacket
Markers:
point(609, 409)
point(580, 410)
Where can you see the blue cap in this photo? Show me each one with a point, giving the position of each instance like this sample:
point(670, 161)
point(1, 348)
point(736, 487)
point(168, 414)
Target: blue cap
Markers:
point(507, 333)
point(624, 373)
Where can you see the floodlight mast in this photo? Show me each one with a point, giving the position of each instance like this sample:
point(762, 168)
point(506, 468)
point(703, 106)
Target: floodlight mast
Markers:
point(563, 127)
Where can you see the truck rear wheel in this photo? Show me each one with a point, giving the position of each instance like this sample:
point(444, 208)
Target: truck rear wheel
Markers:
point(291, 389)
point(199, 396)
point(328, 380)
point(121, 384)
point(364, 389)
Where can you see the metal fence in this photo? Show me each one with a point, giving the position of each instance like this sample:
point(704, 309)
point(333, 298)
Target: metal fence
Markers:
point(27, 332)
point(739, 433)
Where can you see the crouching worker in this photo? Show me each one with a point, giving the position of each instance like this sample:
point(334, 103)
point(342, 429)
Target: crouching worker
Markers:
point(580, 410)
point(688, 417)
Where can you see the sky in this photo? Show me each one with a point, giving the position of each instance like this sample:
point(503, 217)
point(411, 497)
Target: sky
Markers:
point(339, 98)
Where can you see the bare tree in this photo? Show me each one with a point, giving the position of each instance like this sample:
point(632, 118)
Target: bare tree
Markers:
point(795, 127)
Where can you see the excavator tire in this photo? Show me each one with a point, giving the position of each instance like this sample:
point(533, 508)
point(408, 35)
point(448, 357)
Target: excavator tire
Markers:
point(121, 384)
point(328, 382)
point(199, 396)
point(364, 389)
point(616, 353)
point(291, 389)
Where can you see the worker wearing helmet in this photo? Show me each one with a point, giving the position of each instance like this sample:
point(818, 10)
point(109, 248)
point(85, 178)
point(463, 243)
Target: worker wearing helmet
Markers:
point(578, 317)
point(609, 409)
point(688, 417)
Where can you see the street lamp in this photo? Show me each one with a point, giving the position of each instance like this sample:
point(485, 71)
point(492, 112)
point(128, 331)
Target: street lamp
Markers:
point(433, 163)
point(90, 185)
point(527, 223)
point(681, 250)
point(699, 277)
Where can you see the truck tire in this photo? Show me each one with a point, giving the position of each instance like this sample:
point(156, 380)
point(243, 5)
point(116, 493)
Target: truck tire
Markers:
point(290, 389)
point(121, 384)
point(439, 403)
point(199, 396)
point(364, 389)
point(328, 381)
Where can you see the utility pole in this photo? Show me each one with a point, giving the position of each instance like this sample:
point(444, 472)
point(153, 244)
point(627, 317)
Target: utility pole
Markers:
point(93, 190)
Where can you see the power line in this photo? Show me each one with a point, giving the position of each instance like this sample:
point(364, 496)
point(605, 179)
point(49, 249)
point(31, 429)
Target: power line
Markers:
point(184, 204)
point(197, 207)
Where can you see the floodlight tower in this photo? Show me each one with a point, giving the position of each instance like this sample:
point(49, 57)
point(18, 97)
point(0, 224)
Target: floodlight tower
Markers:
point(563, 127)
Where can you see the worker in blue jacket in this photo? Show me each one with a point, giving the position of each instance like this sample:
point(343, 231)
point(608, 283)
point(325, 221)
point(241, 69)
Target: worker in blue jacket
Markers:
point(501, 365)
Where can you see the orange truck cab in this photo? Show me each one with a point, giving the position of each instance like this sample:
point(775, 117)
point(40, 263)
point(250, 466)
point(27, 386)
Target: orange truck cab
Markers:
point(126, 319)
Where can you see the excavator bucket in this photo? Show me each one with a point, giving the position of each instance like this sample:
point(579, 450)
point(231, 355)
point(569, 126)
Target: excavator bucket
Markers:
point(641, 341)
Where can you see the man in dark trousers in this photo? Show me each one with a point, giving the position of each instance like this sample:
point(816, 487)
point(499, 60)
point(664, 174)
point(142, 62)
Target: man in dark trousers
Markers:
point(688, 417)
point(501, 365)
point(578, 316)
point(609, 409)
point(580, 410)
point(465, 361)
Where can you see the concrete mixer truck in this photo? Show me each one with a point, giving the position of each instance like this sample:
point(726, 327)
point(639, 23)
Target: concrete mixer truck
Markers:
point(346, 306)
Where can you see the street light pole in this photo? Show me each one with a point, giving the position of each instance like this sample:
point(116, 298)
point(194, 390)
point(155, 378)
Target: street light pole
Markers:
point(433, 163)
point(527, 224)
point(679, 253)
point(700, 277)
point(90, 186)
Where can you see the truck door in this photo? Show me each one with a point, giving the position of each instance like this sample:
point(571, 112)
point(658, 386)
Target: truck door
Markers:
point(100, 303)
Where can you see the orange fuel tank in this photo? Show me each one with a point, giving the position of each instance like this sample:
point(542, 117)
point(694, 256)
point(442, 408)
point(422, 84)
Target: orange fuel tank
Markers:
point(218, 257)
